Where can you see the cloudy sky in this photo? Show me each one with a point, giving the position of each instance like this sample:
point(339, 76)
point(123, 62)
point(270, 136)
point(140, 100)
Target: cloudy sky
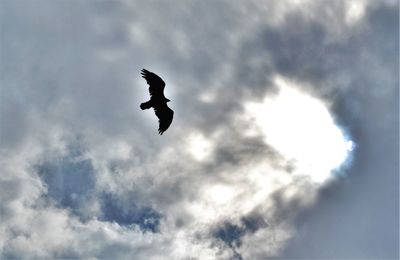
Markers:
point(284, 142)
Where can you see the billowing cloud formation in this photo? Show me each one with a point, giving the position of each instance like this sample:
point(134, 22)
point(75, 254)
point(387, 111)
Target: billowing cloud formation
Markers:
point(85, 175)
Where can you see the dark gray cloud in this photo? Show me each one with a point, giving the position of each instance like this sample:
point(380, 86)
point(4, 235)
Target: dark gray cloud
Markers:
point(358, 216)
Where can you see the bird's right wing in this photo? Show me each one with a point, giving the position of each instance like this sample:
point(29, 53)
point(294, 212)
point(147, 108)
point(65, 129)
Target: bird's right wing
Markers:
point(165, 116)
point(156, 84)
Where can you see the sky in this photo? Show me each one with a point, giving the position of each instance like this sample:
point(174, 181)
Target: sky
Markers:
point(284, 144)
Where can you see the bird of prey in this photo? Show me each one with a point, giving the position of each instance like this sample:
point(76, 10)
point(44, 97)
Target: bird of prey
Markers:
point(157, 100)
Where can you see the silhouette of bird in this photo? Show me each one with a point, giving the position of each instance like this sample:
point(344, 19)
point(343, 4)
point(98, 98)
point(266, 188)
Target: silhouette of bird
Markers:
point(157, 100)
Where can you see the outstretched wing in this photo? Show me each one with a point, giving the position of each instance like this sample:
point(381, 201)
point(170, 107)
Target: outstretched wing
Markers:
point(156, 84)
point(165, 115)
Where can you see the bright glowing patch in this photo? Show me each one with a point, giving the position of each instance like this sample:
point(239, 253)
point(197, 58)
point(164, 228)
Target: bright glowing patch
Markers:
point(302, 130)
point(207, 97)
point(220, 194)
point(199, 147)
point(355, 11)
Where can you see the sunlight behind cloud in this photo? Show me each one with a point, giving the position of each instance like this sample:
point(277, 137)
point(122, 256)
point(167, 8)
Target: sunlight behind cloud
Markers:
point(301, 128)
point(354, 11)
point(199, 147)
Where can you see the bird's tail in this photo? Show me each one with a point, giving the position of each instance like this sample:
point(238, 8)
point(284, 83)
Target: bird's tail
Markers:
point(145, 105)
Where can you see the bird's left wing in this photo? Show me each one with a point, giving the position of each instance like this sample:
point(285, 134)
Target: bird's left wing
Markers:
point(156, 84)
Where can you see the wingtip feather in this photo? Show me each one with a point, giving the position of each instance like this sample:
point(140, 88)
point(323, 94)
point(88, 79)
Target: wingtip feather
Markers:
point(145, 73)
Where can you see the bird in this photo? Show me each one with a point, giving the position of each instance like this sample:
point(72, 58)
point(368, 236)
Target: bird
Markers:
point(157, 100)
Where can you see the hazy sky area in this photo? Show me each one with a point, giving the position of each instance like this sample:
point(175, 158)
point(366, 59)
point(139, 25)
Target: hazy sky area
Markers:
point(284, 144)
